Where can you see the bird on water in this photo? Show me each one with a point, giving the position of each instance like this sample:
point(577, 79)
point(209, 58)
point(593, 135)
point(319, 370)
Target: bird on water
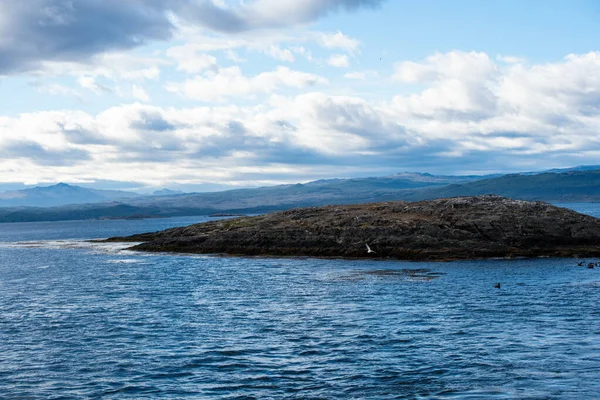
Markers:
point(497, 286)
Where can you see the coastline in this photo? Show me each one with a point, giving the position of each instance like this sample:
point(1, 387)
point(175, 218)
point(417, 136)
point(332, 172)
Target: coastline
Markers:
point(592, 256)
point(463, 228)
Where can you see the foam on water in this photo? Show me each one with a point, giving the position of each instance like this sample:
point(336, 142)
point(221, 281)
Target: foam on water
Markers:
point(125, 261)
point(91, 246)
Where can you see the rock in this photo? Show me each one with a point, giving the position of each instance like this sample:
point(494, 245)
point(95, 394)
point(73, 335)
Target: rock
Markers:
point(442, 229)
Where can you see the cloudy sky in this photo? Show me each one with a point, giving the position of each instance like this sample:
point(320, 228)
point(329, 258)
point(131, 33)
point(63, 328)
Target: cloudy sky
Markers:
point(205, 94)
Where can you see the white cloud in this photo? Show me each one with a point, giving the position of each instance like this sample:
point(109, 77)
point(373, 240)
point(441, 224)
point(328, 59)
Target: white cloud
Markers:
point(103, 74)
point(281, 54)
point(511, 59)
point(190, 59)
point(88, 82)
point(303, 51)
point(339, 61)
point(460, 86)
point(114, 66)
point(554, 90)
point(228, 82)
point(57, 90)
point(338, 41)
point(455, 64)
point(276, 44)
point(360, 75)
point(134, 92)
point(513, 111)
point(39, 31)
point(468, 112)
point(232, 55)
point(261, 14)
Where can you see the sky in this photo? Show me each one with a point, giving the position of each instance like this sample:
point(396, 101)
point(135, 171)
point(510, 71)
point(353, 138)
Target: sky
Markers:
point(214, 94)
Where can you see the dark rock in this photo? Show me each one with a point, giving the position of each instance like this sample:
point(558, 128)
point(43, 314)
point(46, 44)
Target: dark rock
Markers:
point(443, 229)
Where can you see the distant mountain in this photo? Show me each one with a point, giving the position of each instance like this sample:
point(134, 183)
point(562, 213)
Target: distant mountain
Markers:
point(60, 194)
point(322, 192)
point(166, 192)
point(576, 185)
point(170, 203)
point(561, 170)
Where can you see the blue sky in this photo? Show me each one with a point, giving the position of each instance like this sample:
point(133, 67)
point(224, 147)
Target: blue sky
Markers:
point(204, 94)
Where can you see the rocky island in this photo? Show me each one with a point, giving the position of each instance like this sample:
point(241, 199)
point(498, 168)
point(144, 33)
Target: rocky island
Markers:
point(443, 229)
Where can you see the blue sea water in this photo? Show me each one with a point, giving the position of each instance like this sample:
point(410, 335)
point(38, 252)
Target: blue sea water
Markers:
point(95, 321)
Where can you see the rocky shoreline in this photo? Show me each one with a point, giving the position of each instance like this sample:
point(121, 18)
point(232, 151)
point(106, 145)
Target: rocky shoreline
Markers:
point(441, 230)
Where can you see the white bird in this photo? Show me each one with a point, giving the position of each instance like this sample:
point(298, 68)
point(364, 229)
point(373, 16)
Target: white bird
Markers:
point(369, 249)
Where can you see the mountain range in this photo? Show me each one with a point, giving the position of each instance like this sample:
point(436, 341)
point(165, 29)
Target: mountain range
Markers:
point(68, 202)
point(60, 194)
point(64, 194)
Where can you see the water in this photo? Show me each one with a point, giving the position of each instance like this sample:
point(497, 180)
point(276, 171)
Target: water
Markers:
point(81, 321)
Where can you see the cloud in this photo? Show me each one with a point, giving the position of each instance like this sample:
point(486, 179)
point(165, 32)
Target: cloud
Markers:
point(104, 73)
point(152, 121)
point(360, 75)
point(553, 91)
point(38, 31)
point(59, 30)
point(460, 85)
point(463, 88)
point(468, 113)
point(191, 60)
point(88, 82)
point(40, 137)
point(228, 82)
point(281, 54)
point(511, 59)
point(125, 91)
point(232, 55)
point(45, 156)
point(453, 65)
point(527, 114)
point(338, 41)
point(261, 14)
point(134, 92)
point(56, 90)
point(339, 61)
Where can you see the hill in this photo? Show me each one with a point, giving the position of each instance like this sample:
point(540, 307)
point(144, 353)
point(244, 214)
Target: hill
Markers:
point(442, 229)
point(572, 186)
point(60, 194)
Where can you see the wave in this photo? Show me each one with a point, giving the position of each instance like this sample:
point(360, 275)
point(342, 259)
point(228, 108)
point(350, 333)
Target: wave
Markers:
point(96, 247)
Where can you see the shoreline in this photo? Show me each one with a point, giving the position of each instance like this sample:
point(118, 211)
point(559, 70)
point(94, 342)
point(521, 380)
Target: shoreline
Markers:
point(463, 228)
point(342, 258)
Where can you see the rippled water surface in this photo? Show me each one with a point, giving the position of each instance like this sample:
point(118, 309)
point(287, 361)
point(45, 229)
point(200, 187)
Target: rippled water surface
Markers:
point(82, 321)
